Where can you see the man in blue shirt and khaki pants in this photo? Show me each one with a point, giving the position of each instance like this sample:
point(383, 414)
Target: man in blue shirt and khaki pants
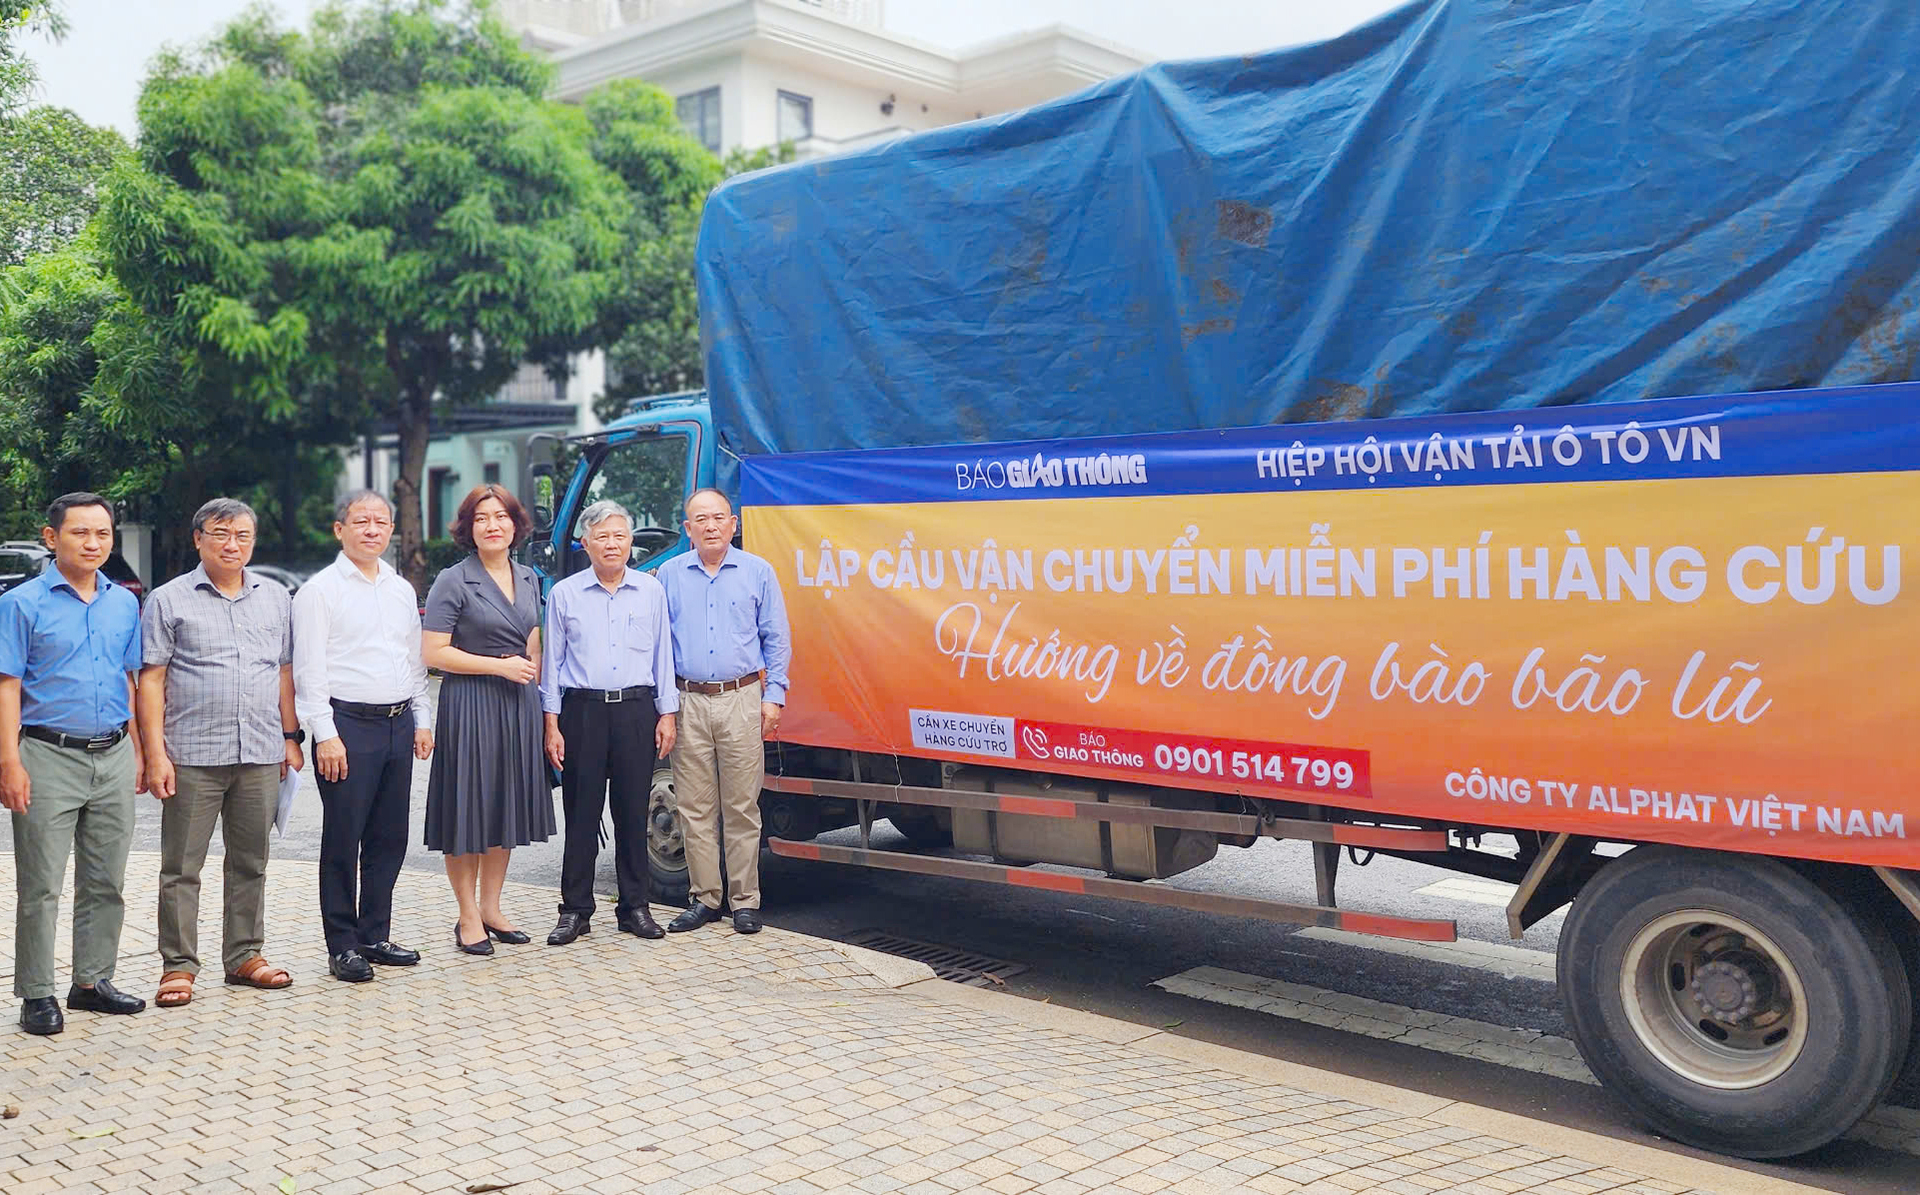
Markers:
point(69, 760)
point(731, 649)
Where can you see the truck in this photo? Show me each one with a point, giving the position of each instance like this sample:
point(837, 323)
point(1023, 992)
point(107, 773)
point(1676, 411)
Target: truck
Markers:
point(1488, 438)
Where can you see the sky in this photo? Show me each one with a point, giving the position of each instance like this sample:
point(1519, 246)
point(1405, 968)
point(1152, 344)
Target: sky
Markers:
point(97, 70)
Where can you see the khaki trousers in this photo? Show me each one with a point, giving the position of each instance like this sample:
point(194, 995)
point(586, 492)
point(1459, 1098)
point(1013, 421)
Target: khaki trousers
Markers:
point(81, 804)
point(242, 798)
point(718, 764)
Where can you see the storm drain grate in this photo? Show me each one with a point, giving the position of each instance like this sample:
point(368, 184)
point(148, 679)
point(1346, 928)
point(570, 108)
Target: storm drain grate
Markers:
point(949, 963)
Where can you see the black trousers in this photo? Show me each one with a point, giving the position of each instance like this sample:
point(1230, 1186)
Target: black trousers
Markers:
point(609, 746)
point(363, 833)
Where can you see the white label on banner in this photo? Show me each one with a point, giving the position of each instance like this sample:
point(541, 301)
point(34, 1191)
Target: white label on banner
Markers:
point(969, 734)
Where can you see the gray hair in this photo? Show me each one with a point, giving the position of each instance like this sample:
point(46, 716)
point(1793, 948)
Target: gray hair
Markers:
point(223, 510)
point(354, 498)
point(600, 512)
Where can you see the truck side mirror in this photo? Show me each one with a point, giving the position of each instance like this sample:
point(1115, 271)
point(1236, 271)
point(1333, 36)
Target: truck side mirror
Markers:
point(541, 476)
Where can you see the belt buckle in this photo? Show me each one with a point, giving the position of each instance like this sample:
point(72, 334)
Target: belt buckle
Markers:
point(99, 743)
point(613, 696)
point(395, 710)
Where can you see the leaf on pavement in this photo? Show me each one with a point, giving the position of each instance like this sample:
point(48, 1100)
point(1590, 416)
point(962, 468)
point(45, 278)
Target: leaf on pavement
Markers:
point(483, 1188)
point(9, 1112)
point(287, 1185)
point(1173, 1024)
point(102, 1131)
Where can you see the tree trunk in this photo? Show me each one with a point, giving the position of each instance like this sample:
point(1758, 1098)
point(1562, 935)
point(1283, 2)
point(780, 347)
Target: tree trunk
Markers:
point(416, 407)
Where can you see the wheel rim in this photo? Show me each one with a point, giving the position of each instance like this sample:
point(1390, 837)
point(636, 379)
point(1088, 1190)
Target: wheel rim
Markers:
point(1714, 999)
point(666, 845)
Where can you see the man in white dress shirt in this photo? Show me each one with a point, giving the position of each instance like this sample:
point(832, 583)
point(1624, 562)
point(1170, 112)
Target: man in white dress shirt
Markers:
point(361, 689)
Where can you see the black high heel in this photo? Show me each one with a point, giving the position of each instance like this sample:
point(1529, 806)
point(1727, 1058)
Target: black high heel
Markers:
point(511, 937)
point(483, 946)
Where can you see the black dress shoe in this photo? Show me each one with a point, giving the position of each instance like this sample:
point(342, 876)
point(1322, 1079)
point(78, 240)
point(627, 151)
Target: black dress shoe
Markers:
point(512, 937)
point(42, 1016)
point(386, 954)
point(483, 946)
point(696, 916)
point(349, 966)
point(102, 997)
point(569, 927)
point(746, 921)
point(640, 923)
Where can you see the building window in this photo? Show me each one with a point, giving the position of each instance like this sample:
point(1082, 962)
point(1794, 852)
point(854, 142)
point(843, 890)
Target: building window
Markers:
point(700, 115)
point(490, 473)
point(440, 504)
point(796, 117)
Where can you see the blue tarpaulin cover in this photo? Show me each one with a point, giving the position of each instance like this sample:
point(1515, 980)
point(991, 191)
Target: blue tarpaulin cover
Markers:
point(1463, 205)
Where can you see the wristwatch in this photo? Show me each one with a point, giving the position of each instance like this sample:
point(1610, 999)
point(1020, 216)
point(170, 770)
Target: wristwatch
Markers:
point(294, 736)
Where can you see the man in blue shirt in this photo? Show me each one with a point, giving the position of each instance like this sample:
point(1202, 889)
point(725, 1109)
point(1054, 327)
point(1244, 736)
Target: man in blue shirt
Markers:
point(69, 760)
point(730, 648)
point(607, 694)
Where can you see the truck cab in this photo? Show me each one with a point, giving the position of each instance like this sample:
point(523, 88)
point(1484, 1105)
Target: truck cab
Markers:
point(649, 460)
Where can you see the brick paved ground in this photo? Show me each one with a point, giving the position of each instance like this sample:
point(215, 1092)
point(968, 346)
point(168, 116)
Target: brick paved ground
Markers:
point(706, 1062)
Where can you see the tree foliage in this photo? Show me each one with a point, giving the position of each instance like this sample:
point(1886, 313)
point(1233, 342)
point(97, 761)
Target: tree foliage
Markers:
point(385, 213)
point(20, 19)
point(52, 164)
point(653, 331)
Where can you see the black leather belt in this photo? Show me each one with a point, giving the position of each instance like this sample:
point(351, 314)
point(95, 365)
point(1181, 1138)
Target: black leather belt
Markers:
point(713, 688)
point(610, 696)
point(361, 709)
point(83, 743)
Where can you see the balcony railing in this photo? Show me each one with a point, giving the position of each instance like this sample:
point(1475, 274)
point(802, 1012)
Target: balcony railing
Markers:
point(589, 18)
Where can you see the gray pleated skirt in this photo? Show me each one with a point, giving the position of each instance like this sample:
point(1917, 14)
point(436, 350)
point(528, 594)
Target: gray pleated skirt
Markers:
point(488, 787)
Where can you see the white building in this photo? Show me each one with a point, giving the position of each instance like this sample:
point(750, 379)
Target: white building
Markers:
point(825, 75)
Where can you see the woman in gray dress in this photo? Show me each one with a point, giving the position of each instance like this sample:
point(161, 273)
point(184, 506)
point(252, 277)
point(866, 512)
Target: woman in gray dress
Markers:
point(488, 791)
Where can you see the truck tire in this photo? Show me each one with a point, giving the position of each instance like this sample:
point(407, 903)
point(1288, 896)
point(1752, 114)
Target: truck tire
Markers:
point(666, 845)
point(921, 829)
point(1906, 1085)
point(1730, 1001)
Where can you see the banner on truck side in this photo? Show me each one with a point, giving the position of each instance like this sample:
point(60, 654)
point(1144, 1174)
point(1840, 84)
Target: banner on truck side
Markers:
point(1682, 621)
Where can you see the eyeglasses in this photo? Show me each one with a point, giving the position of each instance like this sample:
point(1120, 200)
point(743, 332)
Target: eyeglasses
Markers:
point(220, 535)
point(370, 524)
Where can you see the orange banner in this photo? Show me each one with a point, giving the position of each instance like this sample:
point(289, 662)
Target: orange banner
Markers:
point(1722, 662)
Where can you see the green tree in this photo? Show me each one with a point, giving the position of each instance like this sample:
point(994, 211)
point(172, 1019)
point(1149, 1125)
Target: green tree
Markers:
point(93, 397)
point(653, 330)
point(19, 19)
point(52, 164)
point(384, 214)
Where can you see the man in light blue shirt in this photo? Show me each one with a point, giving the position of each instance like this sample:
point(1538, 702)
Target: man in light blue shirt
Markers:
point(607, 691)
point(69, 760)
point(731, 645)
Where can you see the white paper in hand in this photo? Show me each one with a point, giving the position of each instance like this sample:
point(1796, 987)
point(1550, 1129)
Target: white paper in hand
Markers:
point(289, 784)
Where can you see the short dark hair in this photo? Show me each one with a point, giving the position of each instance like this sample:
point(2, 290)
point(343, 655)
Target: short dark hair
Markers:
point(57, 513)
point(462, 529)
point(707, 489)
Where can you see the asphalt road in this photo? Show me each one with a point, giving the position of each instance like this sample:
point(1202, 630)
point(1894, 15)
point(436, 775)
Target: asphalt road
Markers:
point(1104, 955)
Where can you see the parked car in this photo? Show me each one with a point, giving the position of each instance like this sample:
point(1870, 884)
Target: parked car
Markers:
point(285, 576)
point(34, 559)
point(21, 562)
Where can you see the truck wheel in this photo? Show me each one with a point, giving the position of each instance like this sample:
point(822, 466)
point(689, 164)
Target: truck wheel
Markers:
point(921, 829)
point(1730, 1001)
point(784, 815)
point(666, 845)
point(1907, 1083)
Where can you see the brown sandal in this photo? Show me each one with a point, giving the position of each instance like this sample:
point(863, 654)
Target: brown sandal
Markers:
point(176, 989)
point(257, 972)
